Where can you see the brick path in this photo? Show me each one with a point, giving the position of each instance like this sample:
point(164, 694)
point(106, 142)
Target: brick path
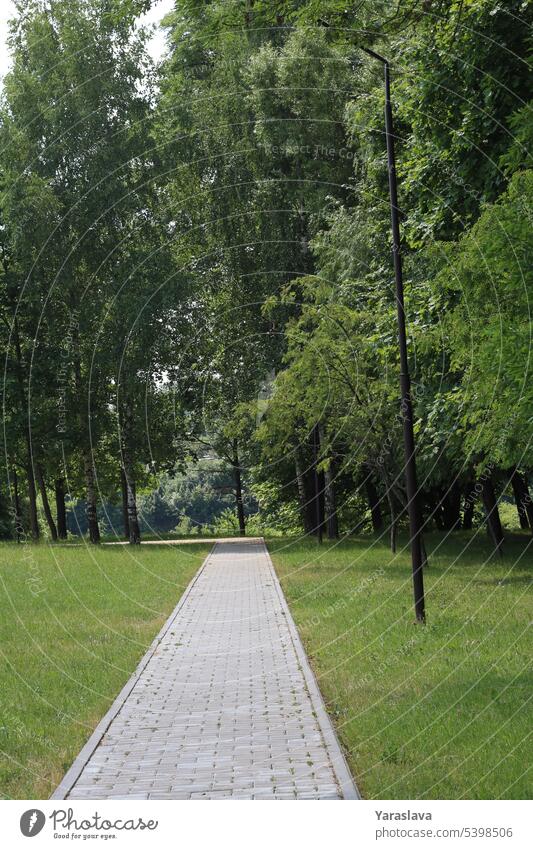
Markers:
point(223, 705)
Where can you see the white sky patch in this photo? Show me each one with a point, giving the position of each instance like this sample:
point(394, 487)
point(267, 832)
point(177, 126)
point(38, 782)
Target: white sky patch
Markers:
point(156, 45)
point(7, 11)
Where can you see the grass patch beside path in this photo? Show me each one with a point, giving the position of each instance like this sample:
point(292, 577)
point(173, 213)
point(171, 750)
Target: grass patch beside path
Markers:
point(440, 711)
point(74, 624)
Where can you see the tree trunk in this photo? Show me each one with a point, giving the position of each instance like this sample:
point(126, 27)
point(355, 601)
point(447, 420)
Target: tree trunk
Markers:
point(494, 526)
point(330, 496)
point(134, 531)
point(19, 530)
point(32, 500)
point(468, 511)
point(305, 496)
point(393, 522)
point(133, 516)
point(332, 520)
point(451, 508)
point(373, 501)
point(88, 466)
point(124, 491)
point(522, 499)
point(32, 494)
point(319, 487)
point(46, 503)
point(133, 520)
point(238, 490)
point(433, 500)
point(90, 499)
point(61, 511)
point(249, 5)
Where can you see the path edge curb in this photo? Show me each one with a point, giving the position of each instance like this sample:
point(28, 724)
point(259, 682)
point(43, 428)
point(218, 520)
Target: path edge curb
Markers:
point(344, 777)
point(82, 758)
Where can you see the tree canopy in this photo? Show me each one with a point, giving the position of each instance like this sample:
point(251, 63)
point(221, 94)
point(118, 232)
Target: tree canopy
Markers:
point(196, 263)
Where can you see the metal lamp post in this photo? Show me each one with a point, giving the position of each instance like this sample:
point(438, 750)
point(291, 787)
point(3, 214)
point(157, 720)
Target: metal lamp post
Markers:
point(415, 522)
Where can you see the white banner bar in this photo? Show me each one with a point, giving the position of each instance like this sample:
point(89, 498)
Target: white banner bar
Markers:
point(267, 825)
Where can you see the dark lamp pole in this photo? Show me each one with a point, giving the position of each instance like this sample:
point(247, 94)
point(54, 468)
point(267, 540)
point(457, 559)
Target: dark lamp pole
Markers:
point(406, 406)
point(415, 523)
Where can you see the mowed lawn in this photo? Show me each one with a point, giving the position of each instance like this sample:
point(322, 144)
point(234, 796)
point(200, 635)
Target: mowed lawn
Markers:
point(74, 624)
point(441, 711)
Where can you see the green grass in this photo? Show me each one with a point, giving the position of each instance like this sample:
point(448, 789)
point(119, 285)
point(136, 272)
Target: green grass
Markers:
point(74, 623)
point(423, 712)
point(435, 711)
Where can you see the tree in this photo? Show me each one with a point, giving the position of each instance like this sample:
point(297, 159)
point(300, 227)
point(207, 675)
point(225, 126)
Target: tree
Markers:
point(71, 111)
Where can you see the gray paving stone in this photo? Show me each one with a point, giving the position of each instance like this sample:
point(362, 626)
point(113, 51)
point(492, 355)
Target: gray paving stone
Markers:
point(224, 704)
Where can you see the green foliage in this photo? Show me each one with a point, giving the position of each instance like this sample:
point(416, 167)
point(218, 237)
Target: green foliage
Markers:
point(463, 74)
point(278, 512)
point(489, 331)
point(172, 246)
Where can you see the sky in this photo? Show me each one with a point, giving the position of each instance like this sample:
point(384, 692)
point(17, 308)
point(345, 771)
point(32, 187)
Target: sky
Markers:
point(156, 46)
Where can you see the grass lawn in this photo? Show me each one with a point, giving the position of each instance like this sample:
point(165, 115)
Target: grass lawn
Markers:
point(74, 623)
point(439, 711)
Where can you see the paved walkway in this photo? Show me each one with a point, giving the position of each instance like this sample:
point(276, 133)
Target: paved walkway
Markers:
point(223, 705)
